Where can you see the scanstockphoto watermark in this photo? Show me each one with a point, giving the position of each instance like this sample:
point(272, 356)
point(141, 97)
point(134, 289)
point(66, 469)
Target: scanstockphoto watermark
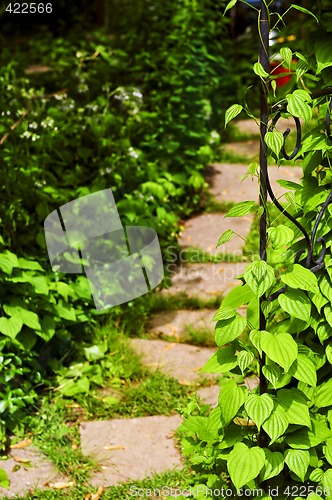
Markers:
point(293, 491)
point(194, 492)
point(86, 236)
point(218, 267)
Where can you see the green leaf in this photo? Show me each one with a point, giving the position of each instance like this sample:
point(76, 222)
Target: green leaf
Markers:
point(301, 69)
point(259, 276)
point(259, 70)
point(296, 303)
point(323, 48)
point(325, 287)
point(30, 265)
point(232, 111)
point(300, 277)
point(229, 329)
point(244, 464)
point(305, 370)
point(93, 353)
point(272, 373)
point(305, 439)
point(238, 296)
point(47, 328)
point(276, 424)
point(222, 361)
point(226, 236)
point(18, 309)
point(244, 359)
point(205, 428)
point(298, 107)
point(231, 398)
point(274, 87)
point(255, 339)
point(63, 289)
point(4, 479)
point(316, 475)
point(10, 326)
point(259, 408)
point(8, 261)
point(324, 395)
point(252, 168)
point(273, 465)
point(328, 352)
point(65, 311)
point(295, 405)
point(327, 450)
point(274, 141)
point(287, 55)
point(73, 387)
point(240, 209)
point(40, 284)
point(280, 235)
point(327, 481)
point(230, 5)
point(302, 9)
point(223, 313)
point(280, 347)
point(298, 462)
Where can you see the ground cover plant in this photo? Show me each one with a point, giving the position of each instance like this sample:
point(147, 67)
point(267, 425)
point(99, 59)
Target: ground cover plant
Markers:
point(275, 441)
point(108, 107)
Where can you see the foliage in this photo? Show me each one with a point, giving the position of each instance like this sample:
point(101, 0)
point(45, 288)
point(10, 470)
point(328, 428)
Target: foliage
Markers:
point(278, 437)
point(121, 107)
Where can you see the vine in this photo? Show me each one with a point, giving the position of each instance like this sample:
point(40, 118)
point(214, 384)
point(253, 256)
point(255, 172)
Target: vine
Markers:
point(277, 438)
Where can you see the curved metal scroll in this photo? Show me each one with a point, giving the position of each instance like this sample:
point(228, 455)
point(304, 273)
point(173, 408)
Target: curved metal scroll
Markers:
point(310, 262)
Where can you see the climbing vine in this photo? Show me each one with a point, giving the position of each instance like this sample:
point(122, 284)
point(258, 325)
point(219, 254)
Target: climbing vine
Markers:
point(276, 440)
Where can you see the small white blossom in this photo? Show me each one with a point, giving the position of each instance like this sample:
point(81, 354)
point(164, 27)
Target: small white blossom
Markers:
point(133, 153)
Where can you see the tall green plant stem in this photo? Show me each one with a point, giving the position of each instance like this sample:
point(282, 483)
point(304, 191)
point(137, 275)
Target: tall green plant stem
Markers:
point(264, 60)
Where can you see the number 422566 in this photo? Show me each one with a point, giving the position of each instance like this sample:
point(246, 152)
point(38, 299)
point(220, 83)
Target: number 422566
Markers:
point(29, 8)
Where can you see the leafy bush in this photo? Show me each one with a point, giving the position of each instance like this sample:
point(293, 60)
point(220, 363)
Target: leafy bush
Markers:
point(130, 110)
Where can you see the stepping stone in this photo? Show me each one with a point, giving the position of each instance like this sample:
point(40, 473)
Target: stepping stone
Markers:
point(36, 69)
point(209, 395)
point(180, 361)
point(204, 230)
point(206, 280)
point(226, 185)
point(39, 472)
point(250, 127)
point(246, 149)
point(174, 323)
point(131, 449)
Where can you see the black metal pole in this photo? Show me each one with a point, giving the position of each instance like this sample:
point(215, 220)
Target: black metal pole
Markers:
point(264, 30)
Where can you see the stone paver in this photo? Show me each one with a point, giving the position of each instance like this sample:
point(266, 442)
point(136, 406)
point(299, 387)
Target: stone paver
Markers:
point(205, 280)
point(225, 181)
point(249, 126)
point(203, 231)
point(247, 149)
point(131, 449)
point(39, 472)
point(209, 395)
point(180, 361)
point(174, 323)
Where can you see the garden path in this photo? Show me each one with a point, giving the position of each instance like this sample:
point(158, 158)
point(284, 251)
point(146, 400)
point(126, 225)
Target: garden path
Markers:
point(132, 449)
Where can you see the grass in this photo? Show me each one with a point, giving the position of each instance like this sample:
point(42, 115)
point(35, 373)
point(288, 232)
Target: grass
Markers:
point(197, 255)
point(182, 301)
point(129, 390)
point(201, 336)
point(170, 481)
